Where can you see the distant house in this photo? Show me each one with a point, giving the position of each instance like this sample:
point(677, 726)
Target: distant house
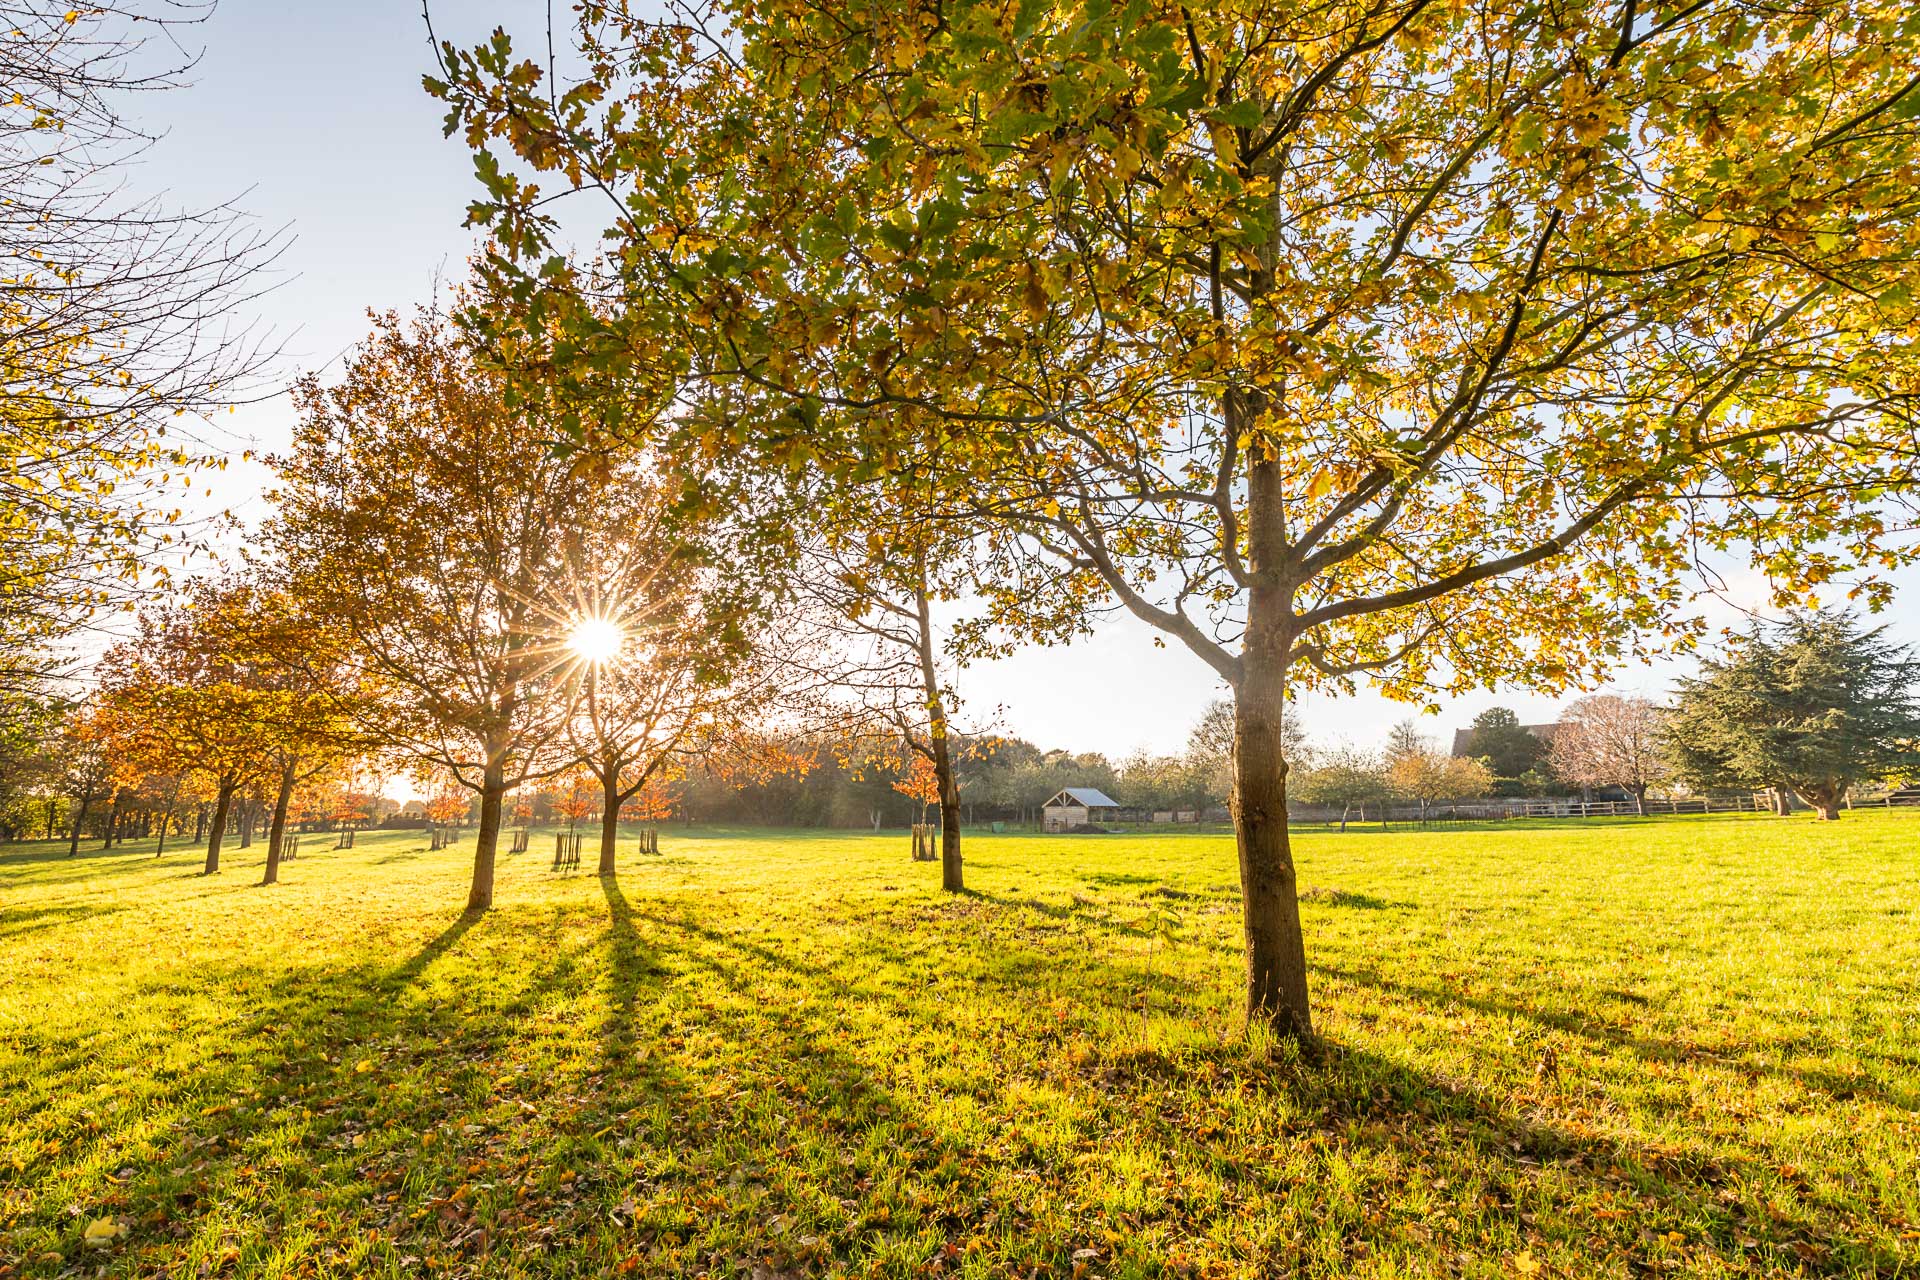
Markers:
point(1076, 807)
point(414, 809)
point(1463, 738)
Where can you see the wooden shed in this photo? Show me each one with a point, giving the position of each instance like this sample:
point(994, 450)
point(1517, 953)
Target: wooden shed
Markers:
point(1076, 807)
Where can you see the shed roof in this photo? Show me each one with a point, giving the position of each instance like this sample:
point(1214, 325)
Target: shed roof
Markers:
point(1086, 796)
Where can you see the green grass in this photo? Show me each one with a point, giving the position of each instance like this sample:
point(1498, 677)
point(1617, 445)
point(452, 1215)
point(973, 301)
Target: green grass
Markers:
point(1676, 1047)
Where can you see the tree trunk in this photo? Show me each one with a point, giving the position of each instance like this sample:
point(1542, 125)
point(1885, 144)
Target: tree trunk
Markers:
point(86, 802)
point(1640, 800)
point(200, 822)
point(1276, 951)
point(493, 793)
point(217, 828)
point(278, 832)
point(1343, 819)
point(952, 877)
point(113, 819)
point(609, 818)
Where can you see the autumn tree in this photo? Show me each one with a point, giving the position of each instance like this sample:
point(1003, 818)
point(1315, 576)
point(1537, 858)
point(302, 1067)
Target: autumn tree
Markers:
point(82, 764)
point(118, 322)
point(1607, 740)
point(431, 516)
point(1397, 341)
point(666, 643)
point(1813, 705)
point(178, 695)
point(1427, 776)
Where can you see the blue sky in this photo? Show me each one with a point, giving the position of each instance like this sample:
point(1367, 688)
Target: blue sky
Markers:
point(315, 113)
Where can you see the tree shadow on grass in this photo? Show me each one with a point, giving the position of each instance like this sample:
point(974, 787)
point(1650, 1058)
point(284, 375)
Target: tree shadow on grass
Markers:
point(1757, 1061)
point(739, 1105)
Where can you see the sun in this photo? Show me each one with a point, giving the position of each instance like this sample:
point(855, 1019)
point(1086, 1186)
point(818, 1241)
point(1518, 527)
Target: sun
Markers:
point(595, 639)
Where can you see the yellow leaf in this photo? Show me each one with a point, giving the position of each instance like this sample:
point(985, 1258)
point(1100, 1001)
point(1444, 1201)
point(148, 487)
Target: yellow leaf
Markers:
point(363, 1066)
point(101, 1232)
point(1525, 1264)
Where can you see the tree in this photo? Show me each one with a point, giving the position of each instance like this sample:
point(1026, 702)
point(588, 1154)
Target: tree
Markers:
point(1427, 776)
point(1401, 341)
point(670, 662)
point(1812, 706)
point(1498, 738)
point(878, 662)
point(1346, 778)
point(1611, 741)
point(177, 694)
point(117, 317)
point(83, 765)
point(429, 514)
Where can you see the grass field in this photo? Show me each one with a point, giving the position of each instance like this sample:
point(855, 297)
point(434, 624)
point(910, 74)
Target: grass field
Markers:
point(1673, 1047)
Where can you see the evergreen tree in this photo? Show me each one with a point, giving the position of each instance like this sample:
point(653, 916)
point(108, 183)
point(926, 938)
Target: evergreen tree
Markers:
point(1812, 706)
point(1499, 739)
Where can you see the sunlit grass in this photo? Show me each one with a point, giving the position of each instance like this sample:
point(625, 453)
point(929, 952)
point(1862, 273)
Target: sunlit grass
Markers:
point(1682, 1046)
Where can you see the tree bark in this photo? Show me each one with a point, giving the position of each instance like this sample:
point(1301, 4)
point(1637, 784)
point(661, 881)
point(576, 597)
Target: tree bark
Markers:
point(86, 802)
point(609, 818)
point(217, 828)
point(1640, 800)
point(278, 832)
point(952, 871)
point(493, 793)
point(1343, 819)
point(1275, 949)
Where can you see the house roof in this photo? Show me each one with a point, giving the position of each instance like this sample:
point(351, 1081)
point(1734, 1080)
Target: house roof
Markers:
point(1088, 797)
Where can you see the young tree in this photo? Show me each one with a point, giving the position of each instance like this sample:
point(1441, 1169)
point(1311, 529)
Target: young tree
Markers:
point(1346, 778)
point(181, 693)
point(1609, 741)
point(429, 515)
point(1812, 706)
point(669, 666)
point(83, 765)
point(1401, 341)
point(1427, 776)
point(877, 662)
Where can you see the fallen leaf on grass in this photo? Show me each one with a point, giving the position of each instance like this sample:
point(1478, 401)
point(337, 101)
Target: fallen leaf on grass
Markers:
point(102, 1232)
point(1526, 1264)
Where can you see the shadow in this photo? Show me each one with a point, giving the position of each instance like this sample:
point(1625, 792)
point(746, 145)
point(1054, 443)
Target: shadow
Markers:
point(1754, 1061)
point(436, 947)
point(1348, 898)
point(674, 1085)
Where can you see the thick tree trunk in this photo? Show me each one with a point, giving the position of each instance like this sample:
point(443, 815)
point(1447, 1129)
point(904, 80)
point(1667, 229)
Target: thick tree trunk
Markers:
point(278, 832)
point(1640, 800)
point(493, 793)
point(1343, 819)
point(217, 828)
point(1276, 951)
point(609, 818)
point(86, 801)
